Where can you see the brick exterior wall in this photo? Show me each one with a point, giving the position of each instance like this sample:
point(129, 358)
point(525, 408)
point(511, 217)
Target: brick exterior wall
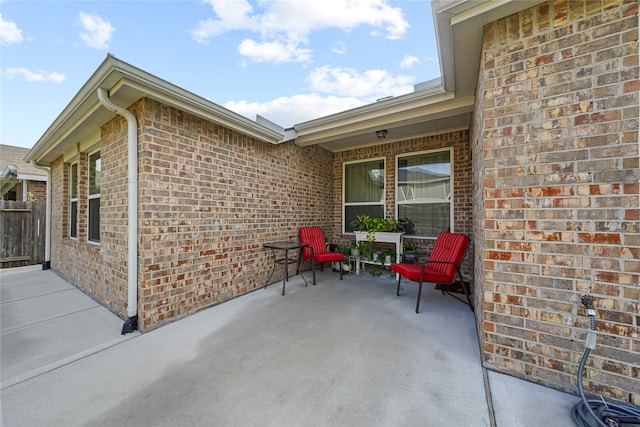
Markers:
point(38, 188)
point(462, 191)
point(556, 194)
point(209, 198)
point(77, 260)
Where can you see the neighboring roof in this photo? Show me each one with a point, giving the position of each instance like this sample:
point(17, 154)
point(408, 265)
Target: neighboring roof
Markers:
point(125, 85)
point(10, 155)
point(14, 169)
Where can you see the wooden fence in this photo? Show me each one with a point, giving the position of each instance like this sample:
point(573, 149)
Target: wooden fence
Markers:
point(22, 233)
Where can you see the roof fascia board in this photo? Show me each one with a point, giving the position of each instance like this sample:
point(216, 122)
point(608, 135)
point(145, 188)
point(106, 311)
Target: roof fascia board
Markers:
point(377, 109)
point(30, 177)
point(168, 92)
point(490, 10)
point(108, 75)
point(194, 104)
point(427, 111)
point(476, 10)
point(444, 44)
point(44, 143)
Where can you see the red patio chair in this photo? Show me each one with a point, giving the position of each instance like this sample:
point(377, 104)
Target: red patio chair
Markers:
point(442, 267)
point(317, 251)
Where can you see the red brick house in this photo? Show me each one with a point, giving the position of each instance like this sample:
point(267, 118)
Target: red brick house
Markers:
point(536, 115)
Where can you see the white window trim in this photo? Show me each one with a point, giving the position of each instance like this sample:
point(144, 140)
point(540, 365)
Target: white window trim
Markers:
point(344, 176)
point(452, 200)
point(73, 199)
point(91, 197)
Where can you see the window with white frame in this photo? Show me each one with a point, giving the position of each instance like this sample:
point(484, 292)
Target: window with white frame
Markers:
point(95, 166)
point(73, 200)
point(424, 192)
point(363, 190)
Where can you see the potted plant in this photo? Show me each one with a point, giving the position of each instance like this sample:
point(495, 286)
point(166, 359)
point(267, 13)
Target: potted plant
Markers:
point(387, 256)
point(410, 252)
point(360, 223)
point(370, 230)
point(377, 225)
point(355, 248)
point(366, 250)
point(346, 251)
point(365, 223)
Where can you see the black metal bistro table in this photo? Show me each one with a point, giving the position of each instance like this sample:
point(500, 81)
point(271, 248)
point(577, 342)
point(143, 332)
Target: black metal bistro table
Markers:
point(285, 246)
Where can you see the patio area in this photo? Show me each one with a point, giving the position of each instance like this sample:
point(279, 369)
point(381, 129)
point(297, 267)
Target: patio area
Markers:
point(342, 353)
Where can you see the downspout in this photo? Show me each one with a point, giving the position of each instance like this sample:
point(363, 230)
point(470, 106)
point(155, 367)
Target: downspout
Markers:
point(131, 324)
point(25, 190)
point(47, 222)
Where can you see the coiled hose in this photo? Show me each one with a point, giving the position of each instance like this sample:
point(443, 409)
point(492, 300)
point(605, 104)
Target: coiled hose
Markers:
point(599, 413)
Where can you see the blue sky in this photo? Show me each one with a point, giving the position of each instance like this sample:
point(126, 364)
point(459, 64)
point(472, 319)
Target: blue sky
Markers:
point(288, 60)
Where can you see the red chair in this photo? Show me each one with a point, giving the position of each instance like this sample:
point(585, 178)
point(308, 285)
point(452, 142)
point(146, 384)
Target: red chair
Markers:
point(442, 268)
point(317, 251)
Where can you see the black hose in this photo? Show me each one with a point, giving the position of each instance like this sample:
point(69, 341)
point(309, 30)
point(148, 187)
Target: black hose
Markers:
point(598, 413)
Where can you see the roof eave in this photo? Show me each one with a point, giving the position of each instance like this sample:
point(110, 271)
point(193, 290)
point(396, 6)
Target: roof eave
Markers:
point(115, 75)
point(376, 109)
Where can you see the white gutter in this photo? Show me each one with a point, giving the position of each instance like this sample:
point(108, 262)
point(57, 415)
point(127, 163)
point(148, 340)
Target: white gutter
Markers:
point(131, 324)
point(47, 222)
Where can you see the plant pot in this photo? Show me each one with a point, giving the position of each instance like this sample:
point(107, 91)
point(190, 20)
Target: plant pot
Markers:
point(387, 259)
point(410, 257)
point(355, 252)
point(346, 267)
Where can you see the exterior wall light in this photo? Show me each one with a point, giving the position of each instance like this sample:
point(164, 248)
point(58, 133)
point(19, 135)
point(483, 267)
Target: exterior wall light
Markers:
point(381, 134)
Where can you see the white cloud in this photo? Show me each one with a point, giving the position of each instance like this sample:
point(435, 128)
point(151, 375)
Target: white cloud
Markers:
point(350, 88)
point(274, 51)
point(289, 23)
point(288, 111)
point(369, 85)
point(31, 76)
point(340, 48)
point(232, 14)
point(9, 32)
point(96, 32)
point(409, 61)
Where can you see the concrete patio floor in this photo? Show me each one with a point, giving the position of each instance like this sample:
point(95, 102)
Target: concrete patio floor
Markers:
point(342, 353)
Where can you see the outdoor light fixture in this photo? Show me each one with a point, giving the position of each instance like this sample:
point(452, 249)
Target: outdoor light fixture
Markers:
point(381, 134)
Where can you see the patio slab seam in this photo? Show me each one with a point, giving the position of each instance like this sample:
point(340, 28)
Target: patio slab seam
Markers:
point(27, 325)
point(488, 397)
point(67, 360)
point(7, 301)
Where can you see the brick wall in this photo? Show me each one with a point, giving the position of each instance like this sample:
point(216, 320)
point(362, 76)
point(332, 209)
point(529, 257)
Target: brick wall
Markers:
point(38, 188)
point(462, 191)
point(209, 199)
point(556, 193)
point(83, 263)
